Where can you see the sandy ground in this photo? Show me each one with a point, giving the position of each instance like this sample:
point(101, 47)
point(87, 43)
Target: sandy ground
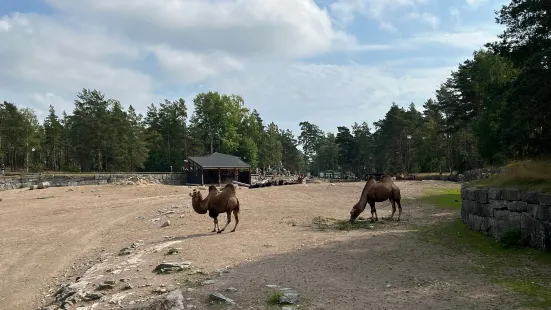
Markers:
point(54, 235)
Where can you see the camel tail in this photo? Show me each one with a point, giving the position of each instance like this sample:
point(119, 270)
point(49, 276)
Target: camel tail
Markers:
point(237, 207)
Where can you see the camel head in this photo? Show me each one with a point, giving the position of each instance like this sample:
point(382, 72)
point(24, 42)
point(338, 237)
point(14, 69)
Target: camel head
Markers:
point(195, 195)
point(354, 213)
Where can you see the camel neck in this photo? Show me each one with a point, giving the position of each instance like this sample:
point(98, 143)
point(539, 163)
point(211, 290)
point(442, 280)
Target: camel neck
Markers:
point(363, 199)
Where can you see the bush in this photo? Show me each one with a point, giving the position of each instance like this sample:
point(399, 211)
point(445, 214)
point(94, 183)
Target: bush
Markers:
point(511, 238)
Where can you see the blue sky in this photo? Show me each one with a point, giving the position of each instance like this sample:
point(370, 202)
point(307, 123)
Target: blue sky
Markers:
point(330, 62)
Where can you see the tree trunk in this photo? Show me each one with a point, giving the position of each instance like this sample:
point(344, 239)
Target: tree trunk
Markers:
point(211, 144)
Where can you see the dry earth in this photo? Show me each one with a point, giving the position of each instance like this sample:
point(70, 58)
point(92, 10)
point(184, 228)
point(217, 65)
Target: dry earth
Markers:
point(55, 235)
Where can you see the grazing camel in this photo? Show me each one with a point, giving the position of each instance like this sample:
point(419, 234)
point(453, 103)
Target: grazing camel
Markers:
point(218, 202)
point(377, 192)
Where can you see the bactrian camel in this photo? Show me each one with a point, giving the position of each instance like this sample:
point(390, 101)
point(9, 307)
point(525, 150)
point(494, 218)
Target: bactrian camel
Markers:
point(217, 202)
point(377, 192)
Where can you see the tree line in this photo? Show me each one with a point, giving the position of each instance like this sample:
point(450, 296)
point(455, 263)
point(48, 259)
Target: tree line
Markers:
point(492, 109)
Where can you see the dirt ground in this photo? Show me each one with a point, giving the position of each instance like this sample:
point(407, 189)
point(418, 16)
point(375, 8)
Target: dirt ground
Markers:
point(55, 235)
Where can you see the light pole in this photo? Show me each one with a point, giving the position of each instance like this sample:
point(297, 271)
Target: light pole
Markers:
point(409, 158)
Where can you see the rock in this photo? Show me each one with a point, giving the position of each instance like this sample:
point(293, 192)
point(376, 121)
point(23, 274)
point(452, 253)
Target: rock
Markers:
point(532, 197)
point(289, 297)
point(272, 286)
point(207, 282)
point(287, 308)
point(33, 187)
point(106, 285)
point(544, 199)
point(513, 194)
point(171, 301)
point(217, 297)
point(92, 296)
point(137, 244)
point(482, 195)
point(517, 206)
point(494, 194)
point(71, 290)
point(159, 290)
point(166, 224)
point(43, 185)
point(498, 204)
point(231, 289)
point(125, 251)
point(172, 267)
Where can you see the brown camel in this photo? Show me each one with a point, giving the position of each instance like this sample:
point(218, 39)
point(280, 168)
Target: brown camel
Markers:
point(217, 202)
point(377, 192)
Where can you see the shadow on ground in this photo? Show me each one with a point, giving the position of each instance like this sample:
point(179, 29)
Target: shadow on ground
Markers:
point(382, 270)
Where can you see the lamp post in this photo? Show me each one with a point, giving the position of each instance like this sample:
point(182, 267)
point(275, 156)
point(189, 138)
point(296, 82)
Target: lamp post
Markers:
point(409, 157)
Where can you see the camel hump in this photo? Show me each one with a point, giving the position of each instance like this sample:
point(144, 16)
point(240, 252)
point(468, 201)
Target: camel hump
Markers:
point(230, 187)
point(386, 178)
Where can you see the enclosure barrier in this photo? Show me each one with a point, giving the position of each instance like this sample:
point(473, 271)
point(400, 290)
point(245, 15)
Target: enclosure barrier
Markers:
point(509, 213)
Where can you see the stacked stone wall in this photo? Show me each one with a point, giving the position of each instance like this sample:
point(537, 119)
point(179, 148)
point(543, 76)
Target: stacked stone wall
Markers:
point(25, 181)
point(496, 211)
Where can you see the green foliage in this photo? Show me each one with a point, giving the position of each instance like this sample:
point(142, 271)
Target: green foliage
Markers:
point(532, 175)
point(511, 238)
point(274, 297)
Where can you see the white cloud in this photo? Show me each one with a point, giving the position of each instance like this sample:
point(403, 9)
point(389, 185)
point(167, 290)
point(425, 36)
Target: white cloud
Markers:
point(144, 51)
point(189, 67)
point(469, 38)
point(245, 27)
point(346, 11)
point(426, 18)
point(41, 55)
point(475, 3)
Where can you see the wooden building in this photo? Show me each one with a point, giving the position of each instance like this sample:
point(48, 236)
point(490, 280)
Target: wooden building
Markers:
point(217, 168)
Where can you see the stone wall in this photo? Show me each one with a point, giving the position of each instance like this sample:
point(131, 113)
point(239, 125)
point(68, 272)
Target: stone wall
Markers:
point(495, 211)
point(25, 181)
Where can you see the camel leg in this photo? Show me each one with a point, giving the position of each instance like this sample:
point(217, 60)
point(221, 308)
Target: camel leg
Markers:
point(236, 220)
point(215, 224)
point(393, 208)
point(227, 222)
point(373, 211)
point(399, 209)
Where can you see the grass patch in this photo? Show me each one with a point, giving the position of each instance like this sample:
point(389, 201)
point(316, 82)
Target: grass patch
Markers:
point(504, 261)
point(172, 251)
point(532, 175)
point(448, 199)
point(273, 298)
point(325, 223)
point(505, 264)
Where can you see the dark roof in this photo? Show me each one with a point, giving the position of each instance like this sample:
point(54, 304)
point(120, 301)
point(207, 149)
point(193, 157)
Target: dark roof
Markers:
point(219, 160)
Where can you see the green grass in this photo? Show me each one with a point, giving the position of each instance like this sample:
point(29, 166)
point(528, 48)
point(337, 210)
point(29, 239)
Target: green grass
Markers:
point(531, 175)
point(449, 199)
point(327, 223)
point(273, 298)
point(502, 264)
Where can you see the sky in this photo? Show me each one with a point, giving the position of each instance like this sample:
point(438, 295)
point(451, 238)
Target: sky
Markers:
point(330, 62)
